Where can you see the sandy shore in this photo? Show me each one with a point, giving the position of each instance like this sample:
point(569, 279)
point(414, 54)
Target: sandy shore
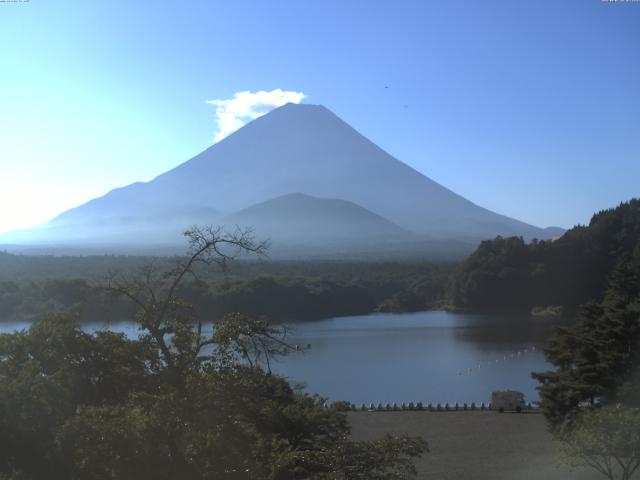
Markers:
point(475, 445)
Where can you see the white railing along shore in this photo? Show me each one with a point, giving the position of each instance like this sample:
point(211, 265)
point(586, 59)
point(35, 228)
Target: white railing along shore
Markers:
point(431, 407)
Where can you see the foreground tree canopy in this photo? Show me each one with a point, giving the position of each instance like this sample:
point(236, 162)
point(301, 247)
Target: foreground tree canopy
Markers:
point(597, 358)
point(607, 440)
point(186, 399)
point(592, 399)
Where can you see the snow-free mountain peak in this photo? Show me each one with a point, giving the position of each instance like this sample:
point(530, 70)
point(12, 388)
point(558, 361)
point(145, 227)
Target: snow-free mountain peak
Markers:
point(295, 148)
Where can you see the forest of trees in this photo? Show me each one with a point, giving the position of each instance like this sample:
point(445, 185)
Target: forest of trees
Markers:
point(507, 274)
point(173, 403)
point(597, 358)
point(502, 275)
point(32, 287)
point(591, 399)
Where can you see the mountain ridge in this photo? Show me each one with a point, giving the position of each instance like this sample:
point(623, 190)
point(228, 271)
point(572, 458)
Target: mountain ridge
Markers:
point(295, 148)
point(300, 218)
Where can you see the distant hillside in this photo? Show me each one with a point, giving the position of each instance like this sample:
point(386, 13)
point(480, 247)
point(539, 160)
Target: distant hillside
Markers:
point(301, 219)
point(33, 286)
point(509, 274)
point(295, 148)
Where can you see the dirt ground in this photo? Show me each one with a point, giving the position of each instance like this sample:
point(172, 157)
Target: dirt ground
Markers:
point(482, 445)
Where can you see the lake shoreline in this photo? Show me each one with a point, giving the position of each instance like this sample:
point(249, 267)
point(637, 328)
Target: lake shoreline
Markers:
point(429, 357)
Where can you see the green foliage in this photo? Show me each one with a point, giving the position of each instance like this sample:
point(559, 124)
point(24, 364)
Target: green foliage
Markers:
point(508, 274)
point(50, 371)
point(293, 299)
point(606, 439)
point(28, 300)
point(176, 402)
point(65, 415)
point(598, 357)
point(493, 277)
point(238, 337)
point(286, 291)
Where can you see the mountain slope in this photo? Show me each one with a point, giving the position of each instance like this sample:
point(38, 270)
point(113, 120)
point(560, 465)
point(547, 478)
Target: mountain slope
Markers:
point(298, 225)
point(299, 218)
point(295, 148)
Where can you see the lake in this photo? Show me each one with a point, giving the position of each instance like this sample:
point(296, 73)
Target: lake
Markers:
point(427, 356)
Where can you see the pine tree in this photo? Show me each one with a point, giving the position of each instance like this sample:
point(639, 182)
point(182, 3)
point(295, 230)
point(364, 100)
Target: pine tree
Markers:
point(597, 358)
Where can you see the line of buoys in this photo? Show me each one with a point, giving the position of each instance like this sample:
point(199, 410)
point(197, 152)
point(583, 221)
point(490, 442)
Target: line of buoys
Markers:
point(514, 355)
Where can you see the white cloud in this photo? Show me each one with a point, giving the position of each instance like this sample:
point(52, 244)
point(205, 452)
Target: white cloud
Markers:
point(236, 112)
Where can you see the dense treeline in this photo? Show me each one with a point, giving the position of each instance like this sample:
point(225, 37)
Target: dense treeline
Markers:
point(504, 274)
point(292, 299)
point(35, 300)
point(508, 274)
point(283, 291)
point(592, 399)
point(25, 268)
point(597, 357)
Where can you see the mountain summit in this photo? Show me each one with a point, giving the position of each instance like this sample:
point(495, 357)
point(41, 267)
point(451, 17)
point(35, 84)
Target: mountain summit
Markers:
point(301, 148)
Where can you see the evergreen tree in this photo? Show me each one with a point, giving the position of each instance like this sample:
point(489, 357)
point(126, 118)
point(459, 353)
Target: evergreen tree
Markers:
point(508, 274)
point(597, 358)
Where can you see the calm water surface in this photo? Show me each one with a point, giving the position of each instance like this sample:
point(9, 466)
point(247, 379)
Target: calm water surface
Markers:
point(425, 356)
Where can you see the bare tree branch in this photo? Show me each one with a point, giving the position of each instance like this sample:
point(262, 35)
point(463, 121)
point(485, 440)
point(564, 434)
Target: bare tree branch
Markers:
point(154, 295)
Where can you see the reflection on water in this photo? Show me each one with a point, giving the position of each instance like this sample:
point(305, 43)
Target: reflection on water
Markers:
point(425, 356)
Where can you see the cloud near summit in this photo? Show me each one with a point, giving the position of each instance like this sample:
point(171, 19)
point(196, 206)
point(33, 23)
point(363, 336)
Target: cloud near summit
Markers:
point(234, 113)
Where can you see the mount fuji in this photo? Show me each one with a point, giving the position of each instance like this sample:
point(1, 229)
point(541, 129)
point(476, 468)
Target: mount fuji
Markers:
point(298, 175)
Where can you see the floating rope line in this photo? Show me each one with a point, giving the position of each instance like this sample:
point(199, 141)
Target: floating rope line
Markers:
point(506, 358)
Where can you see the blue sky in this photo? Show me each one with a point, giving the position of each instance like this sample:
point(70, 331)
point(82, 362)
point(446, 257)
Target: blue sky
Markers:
point(531, 108)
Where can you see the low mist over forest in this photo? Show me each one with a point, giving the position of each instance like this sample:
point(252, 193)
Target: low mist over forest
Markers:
point(552, 277)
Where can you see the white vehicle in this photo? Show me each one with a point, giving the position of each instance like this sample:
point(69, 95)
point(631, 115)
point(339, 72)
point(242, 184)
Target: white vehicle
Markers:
point(507, 400)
